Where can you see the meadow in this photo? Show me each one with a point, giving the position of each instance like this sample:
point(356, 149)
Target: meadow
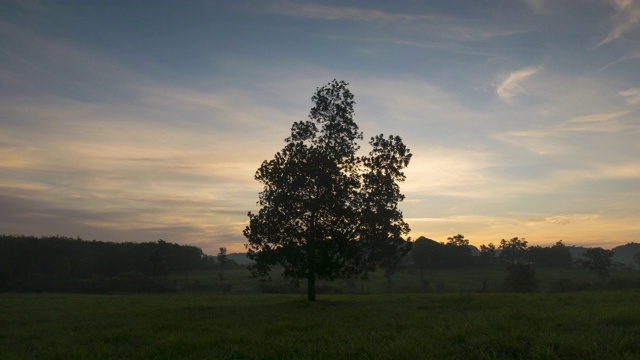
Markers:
point(445, 280)
point(581, 325)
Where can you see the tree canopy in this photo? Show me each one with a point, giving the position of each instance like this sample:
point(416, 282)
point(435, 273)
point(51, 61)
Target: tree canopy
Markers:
point(514, 251)
point(597, 260)
point(325, 211)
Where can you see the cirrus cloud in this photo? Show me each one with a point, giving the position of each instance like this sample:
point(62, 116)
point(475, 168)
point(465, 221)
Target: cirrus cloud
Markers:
point(512, 84)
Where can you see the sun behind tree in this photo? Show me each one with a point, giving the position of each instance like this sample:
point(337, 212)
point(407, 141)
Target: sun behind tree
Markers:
point(326, 212)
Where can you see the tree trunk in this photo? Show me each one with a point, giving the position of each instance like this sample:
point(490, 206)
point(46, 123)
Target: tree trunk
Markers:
point(311, 287)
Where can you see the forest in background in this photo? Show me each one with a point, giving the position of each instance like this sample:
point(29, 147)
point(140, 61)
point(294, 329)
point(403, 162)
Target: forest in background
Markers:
point(62, 264)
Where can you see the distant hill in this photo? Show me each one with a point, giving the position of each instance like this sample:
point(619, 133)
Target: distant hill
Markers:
point(239, 258)
point(624, 253)
point(577, 251)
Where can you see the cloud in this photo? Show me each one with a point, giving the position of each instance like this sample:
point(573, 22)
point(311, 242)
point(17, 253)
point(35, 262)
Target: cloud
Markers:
point(36, 63)
point(325, 12)
point(538, 6)
point(598, 117)
point(632, 96)
point(626, 20)
point(422, 30)
point(512, 85)
point(562, 219)
point(635, 55)
point(448, 172)
point(597, 123)
point(464, 219)
point(536, 140)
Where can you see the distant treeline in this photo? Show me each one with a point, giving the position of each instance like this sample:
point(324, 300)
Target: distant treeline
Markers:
point(457, 252)
point(62, 264)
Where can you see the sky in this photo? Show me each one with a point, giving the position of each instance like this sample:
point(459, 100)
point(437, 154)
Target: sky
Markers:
point(146, 120)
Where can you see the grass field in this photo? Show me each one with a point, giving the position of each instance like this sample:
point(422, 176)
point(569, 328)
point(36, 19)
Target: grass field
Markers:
point(440, 281)
point(585, 325)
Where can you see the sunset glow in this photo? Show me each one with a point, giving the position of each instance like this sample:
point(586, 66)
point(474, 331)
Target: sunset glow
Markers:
point(135, 121)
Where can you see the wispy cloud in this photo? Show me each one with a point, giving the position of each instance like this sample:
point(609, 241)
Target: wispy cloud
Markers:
point(625, 20)
point(632, 96)
point(598, 117)
point(511, 86)
point(423, 30)
point(632, 56)
point(610, 122)
point(563, 219)
point(325, 12)
point(602, 123)
point(449, 172)
point(489, 51)
point(538, 6)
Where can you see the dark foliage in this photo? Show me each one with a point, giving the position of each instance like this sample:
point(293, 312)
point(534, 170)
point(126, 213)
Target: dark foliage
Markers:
point(62, 264)
point(327, 213)
point(597, 260)
point(425, 254)
point(520, 278)
point(514, 251)
point(557, 255)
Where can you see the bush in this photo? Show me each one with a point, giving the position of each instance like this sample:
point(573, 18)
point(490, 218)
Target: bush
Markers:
point(521, 278)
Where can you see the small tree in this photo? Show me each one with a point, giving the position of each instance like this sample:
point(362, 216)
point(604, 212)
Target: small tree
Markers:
point(597, 260)
point(457, 240)
point(636, 259)
point(457, 251)
point(222, 257)
point(326, 212)
point(487, 253)
point(514, 251)
point(521, 275)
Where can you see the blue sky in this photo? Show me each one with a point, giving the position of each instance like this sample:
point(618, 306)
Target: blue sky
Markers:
point(134, 121)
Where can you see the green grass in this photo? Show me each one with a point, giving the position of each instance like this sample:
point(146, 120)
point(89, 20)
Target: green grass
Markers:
point(440, 280)
point(586, 325)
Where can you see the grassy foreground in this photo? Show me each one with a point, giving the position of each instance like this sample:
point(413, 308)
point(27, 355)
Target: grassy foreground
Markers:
point(604, 325)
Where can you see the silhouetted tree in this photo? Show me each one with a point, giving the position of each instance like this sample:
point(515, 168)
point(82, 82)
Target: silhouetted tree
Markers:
point(457, 251)
point(597, 260)
point(636, 259)
point(457, 240)
point(326, 212)
point(514, 251)
point(488, 251)
point(557, 255)
point(424, 254)
point(222, 257)
point(487, 254)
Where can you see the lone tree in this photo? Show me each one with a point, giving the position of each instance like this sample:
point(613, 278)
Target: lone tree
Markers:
point(520, 274)
point(597, 260)
point(326, 212)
